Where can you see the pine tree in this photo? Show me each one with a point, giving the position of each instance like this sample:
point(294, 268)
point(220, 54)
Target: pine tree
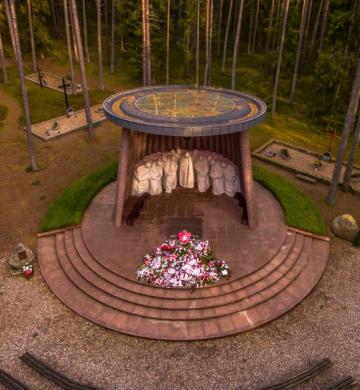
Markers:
point(348, 126)
point(13, 28)
point(280, 57)
point(85, 90)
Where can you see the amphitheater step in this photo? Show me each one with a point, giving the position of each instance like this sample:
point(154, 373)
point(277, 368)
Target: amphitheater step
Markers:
point(125, 306)
point(81, 274)
point(221, 289)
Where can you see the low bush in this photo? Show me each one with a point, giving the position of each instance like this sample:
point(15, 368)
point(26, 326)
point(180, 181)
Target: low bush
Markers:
point(300, 211)
point(68, 209)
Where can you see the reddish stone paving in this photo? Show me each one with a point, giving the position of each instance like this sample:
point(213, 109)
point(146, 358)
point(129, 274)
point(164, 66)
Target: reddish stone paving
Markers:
point(270, 278)
point(122, 249)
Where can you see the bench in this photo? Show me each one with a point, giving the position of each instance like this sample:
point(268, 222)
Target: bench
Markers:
point(10, 382)
point(49, 373)
point(242, 203)
point(135, 211)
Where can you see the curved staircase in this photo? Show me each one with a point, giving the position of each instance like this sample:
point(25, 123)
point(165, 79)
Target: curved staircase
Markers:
point(107, 298)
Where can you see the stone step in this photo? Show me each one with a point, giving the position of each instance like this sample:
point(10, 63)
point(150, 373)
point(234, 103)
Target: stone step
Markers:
point(117, 290)
point(142, 309)
point(188, 330)
point(203, 293)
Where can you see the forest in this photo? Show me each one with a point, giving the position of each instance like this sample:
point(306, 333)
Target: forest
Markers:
point(298, 56)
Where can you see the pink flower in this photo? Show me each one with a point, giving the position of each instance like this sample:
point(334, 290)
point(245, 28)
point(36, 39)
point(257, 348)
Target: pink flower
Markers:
point(184, 237)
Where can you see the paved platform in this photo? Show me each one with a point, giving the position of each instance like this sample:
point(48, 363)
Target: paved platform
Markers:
point(92, 267)
point(301, 161)
point(61, 125)
point(52, 81)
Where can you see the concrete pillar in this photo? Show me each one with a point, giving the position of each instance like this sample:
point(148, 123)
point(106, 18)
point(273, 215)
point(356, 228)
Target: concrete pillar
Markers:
point(247, 176)
point(122, 176)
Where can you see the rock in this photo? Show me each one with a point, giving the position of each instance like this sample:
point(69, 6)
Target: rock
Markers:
point(20, 257)
point(345, 226)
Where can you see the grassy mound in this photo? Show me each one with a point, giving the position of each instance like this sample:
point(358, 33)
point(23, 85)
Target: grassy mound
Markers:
point(300, 211)
point(69, 207)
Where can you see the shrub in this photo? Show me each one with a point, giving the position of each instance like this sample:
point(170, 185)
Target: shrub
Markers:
point(300, 211)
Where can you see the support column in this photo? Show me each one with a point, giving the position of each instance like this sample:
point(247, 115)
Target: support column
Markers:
point(122, 176)
point(246, 178)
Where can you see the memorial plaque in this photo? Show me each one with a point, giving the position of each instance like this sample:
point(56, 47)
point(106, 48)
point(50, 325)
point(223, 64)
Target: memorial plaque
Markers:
point(192, 225)
point(22, 255)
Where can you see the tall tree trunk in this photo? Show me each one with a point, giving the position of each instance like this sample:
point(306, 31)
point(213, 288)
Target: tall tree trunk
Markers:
point(348, 126)
point(68, 41)
point(323, 25)
point(220, 26)
point(168, 42)
point(10, 10)
point(2, 60)
point(299, 50)
point(146, 43)
point(32, 41)
point(227, 35)
point(237, 44)
point(251, 27)
point(255, 26)
point(82, 69)
point(277, 24)
point(316, 26)
point(207, 46)
point(143, 25)
point(308, 19)
point(112, 45)
point(210, 40)
point(270, 26)
point(11, 30)
point(148, 46)
point(280, 57)
point(99, 46)
point(85, 32)
point(351, 159)
point(72, 29)
point(106, 17)
point(197, 44)
point(54, 16)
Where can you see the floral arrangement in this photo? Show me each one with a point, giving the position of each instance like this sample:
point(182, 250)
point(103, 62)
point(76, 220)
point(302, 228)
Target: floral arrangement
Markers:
point(27, 270)
point(182, 262)
point(317, 164)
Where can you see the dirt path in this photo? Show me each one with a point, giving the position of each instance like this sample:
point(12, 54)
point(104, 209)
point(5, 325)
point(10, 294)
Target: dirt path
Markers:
point(24, 197)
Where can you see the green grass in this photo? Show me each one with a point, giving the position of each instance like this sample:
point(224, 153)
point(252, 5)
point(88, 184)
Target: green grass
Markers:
point(3, 112)
point(69, 207)
point(300, 212)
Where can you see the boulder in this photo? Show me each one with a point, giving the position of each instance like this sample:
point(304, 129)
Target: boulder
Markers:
point(345, 226)
point(21, 256)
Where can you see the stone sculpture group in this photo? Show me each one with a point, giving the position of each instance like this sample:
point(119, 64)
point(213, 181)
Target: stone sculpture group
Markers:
point(204, 169)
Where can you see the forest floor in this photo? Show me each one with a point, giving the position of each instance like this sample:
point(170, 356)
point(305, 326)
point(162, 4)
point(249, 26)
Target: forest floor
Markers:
point(326, 324)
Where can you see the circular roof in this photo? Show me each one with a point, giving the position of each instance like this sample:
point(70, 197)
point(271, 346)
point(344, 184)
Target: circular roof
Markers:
point(184, 111)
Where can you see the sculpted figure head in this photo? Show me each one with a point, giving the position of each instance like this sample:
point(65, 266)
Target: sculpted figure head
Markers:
point(164, 157)
point(148, 164)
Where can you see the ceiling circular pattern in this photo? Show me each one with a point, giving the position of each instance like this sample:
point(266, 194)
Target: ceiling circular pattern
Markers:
point(184, 111)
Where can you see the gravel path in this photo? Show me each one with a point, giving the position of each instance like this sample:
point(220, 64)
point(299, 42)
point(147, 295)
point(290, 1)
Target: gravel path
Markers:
point(326, 324)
